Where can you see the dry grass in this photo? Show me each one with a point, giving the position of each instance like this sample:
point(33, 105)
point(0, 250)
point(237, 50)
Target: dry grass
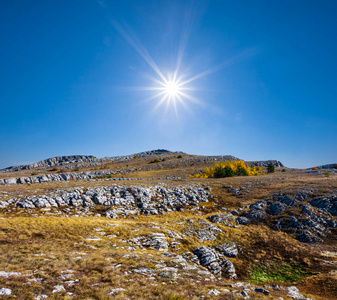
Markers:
point(47, 246)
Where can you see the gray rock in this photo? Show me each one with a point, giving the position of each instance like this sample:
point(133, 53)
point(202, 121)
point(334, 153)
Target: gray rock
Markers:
point(243, 221)
point(288, 200)
point(229, 268)
point(10, 181)
point(41, 202)
point(263, 291)
point(244, 294)
point(228, 249)
point(293, 292)
point(3, 204)
point(25, 204)
point(156, 241)
point(256, 215)
point(99, 198)
point(275, 209)
point(214, 292)
point(190, 257)
point(111, 214)
point(5, 292)
point(58, 289)
point(258, 205)
point(206, 255)
point(116, 290)
point(307, 237)
point(221, 218)
point(213, 262)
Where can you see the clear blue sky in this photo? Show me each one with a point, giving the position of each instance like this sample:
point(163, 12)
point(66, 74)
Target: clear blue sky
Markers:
point(72, 71)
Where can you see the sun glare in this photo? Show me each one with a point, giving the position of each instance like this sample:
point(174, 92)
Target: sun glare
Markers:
point(175, 89)
point(172, 88)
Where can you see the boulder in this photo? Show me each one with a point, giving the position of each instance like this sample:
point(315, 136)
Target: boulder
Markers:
point(10, 181)
point(228, 249)
point(214, 262)
point(156, 241)
point(243, 221)
point(256, 215)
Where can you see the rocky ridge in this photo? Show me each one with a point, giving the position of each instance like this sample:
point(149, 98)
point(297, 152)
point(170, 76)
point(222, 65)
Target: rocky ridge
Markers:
point(51, 162)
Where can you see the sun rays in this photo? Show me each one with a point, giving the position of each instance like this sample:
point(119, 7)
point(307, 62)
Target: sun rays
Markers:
point(174, 91)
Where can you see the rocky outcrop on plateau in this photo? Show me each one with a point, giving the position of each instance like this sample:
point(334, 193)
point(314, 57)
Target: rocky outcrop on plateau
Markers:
point(308, 217)
point(118, 200)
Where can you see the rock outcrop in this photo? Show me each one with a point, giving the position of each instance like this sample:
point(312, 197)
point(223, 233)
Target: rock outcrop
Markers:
point(51, 162)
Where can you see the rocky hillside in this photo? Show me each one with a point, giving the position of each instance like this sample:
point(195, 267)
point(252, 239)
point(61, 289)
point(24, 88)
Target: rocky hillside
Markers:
point(138, 227)
point(51, 162)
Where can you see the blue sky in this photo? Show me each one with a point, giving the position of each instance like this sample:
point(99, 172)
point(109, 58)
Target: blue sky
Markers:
point(74, 76)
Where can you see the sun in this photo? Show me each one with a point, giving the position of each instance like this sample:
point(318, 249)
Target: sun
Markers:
point(172, 89)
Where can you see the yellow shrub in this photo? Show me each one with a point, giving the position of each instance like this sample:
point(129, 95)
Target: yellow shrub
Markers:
point(228, 169)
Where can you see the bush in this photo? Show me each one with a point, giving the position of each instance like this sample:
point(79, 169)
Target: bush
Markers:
point(227, 169)
point(179, 156)
point(154, 161)
point(271, 168)
point(135, 156)
point(327, 174)
point(222, 172)
point(284, 170)
point(164, 159)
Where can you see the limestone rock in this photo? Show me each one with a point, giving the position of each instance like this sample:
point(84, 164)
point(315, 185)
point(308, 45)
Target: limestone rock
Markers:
point(156, 241)
point(228, 249)
point(243, 221)
point(5, 292)
point(214, 262)
point(256, 215)
point(111, 214)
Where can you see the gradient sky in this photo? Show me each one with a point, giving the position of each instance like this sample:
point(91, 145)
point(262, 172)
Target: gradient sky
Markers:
point(72, 74)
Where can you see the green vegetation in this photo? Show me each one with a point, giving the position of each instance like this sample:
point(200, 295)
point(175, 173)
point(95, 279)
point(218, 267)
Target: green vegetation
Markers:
point(276, 272)
point(327, 174)
point(227, 169)
point(271, 168)
point(154, 161)
point(179, 156)
point(284, 170)
point(135, 156)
